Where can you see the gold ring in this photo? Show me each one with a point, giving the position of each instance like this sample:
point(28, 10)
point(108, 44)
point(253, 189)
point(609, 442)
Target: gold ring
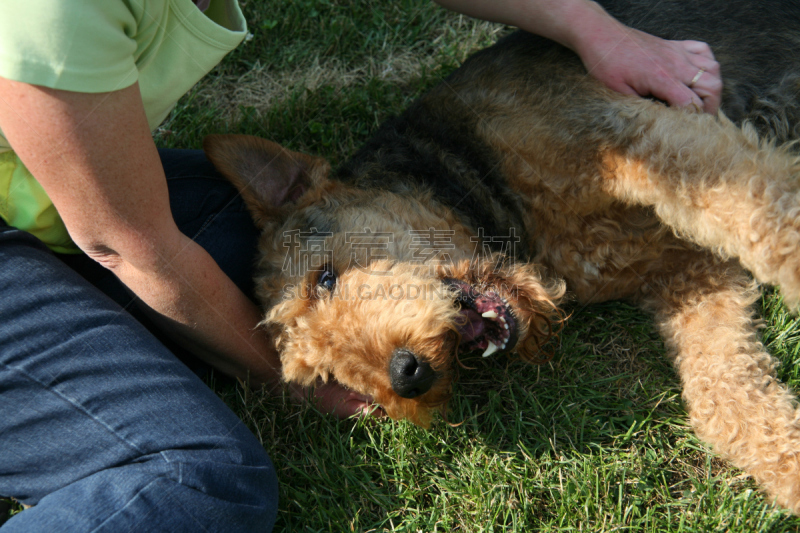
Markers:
point(696, 77)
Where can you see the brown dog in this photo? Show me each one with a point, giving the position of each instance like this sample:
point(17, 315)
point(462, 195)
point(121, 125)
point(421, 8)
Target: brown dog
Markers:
point(459, 225)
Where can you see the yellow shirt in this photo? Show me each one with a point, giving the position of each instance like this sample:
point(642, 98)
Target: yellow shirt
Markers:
point(100, 46)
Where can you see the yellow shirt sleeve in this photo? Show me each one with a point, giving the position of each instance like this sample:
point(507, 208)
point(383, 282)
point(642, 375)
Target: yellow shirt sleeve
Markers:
point(103, 46)
point(74, 45)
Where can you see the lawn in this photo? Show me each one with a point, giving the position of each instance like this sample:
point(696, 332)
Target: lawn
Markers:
point(596, 440)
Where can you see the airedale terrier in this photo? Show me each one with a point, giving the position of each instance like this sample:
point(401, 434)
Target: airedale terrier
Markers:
point(462, 223)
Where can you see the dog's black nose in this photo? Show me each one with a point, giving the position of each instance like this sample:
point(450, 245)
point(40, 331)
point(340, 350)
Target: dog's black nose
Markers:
point(409, 376)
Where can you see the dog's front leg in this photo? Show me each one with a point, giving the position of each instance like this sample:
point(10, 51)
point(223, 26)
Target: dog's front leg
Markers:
point(735, 402)
point(715, 184)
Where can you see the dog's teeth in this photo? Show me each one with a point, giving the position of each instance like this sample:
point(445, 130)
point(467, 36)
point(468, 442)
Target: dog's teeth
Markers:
point(503, 320)
point(505, 326)
point(490, 349)
point(490, 314)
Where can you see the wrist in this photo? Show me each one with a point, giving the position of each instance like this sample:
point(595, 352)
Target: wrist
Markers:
point(586, 27)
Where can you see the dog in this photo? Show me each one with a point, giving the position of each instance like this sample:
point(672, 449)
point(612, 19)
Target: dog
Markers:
point(519, 182)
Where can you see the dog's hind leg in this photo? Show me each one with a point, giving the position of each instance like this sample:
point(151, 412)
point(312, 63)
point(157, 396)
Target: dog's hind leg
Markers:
point(735, 402)
point(716, 184)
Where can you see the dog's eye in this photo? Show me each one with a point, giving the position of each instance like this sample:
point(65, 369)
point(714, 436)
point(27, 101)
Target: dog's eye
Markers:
point(327, 279)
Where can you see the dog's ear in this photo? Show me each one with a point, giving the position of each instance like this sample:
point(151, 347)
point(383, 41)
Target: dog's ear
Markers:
point(270, 177)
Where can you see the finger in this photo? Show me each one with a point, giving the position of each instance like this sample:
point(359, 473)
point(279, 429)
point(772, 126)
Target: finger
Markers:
point(369, 415)
point(676, 94)
point(710, 91)
point(707, 85)
point(359, 409)
point(696, 62)
point(697, 47)
point(354, 408)
point(373, 410)
point(623, 88)
point(705, 81)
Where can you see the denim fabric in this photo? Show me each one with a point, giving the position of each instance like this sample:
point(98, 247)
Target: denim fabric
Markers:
point(101, 427)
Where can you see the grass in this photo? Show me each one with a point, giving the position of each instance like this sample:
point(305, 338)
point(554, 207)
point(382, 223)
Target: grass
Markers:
point(596, 440)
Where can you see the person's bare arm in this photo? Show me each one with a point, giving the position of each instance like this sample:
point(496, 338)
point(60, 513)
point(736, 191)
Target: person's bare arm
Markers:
point(624, 59)
point(94, 156)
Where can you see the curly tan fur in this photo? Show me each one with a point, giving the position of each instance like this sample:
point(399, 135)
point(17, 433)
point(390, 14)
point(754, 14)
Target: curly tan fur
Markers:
point(610, 197)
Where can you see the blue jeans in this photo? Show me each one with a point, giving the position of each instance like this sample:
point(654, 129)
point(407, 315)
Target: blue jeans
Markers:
point(101, 427)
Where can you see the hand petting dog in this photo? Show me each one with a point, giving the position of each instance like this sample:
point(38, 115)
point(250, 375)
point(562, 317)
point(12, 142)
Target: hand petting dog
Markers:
point(681, 73)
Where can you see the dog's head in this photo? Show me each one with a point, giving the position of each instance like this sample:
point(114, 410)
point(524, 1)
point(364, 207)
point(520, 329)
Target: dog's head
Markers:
point(376, 290)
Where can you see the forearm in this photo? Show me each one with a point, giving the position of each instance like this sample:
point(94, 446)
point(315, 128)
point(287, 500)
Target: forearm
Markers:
point(202, 309)
point(573, 23)
point(94, 156)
